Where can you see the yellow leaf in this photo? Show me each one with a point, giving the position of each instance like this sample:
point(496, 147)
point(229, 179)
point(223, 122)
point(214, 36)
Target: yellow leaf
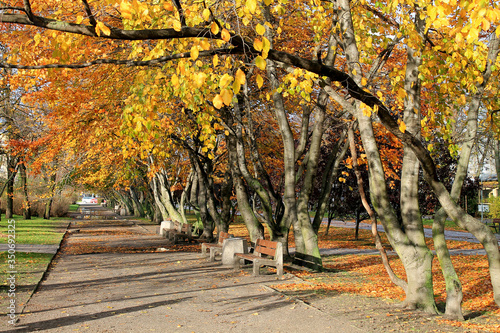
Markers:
point(236, 87)
point(268, 2)
point(206, 14)
point(167, 5)
point(257, 44)
point(194, 53)
point(199, 79)
point(401, 93)
point(402, 126)
point(225, 80)
point(126, 9)
point(79, 19)
point(205, 44)
point(260, 29)
point(363, 82)
point(102, 27)
point(216, 60)
point(266, 45)
point(240, 76)
point(260, 81)
point(214, 28)
point(175, 80)
point(260, 63)
point(251, 5)
point(227, 96)
point(225, 35)
point(218, 101)
point(177, 26)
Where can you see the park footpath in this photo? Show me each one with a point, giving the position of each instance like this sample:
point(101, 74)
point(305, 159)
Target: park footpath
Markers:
point(89, 289)
point(102, 280)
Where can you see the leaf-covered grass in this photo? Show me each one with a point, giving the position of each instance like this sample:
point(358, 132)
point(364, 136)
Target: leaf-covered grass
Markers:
point(30, 268)
point(35, 231)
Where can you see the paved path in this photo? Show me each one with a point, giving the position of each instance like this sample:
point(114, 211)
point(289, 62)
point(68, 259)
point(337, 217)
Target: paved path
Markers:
point(161, 292)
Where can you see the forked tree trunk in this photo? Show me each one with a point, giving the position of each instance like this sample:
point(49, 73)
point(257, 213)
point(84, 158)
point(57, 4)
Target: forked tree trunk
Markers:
point(416, 260)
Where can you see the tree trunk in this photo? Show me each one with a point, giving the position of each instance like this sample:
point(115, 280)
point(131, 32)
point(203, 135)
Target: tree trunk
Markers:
point(416, 260)
point(11, 177)
point(255, 229)
point(137, 206)
point(364, 200)
point(48, 204)
point(24, 186)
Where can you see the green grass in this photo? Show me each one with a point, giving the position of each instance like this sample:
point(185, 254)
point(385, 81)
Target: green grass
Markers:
point(448, 224)
point(73, 208)
point(30, 268)
point(35, 231)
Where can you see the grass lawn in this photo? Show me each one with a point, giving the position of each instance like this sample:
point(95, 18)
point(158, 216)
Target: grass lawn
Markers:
point(35, 231)
point(74, 207)
point(30, 268)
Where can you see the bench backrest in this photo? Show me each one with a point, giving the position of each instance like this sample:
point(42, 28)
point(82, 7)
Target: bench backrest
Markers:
point(270, 248)
point(223, 236)
point(186, 228)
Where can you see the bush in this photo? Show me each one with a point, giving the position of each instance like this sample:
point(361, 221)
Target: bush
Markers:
point(60, 206)
point(494, 207)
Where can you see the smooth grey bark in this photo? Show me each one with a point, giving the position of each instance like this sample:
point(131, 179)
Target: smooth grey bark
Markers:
point(454, 293)
point(420, 292)
point(415, 260)
point(364, 200)
point(328, 177)
point(255, 229)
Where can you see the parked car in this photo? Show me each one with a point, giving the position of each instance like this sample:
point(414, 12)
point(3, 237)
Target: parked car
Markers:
point(89, 200)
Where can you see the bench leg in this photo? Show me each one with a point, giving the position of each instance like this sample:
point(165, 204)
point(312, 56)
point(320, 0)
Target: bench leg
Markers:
point(236, 262)
point(204, 249)
point(213, 250)
point(256, 268)
point(279, 270)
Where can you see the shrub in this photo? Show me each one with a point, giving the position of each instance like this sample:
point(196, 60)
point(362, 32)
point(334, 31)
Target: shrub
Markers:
point(494, 207)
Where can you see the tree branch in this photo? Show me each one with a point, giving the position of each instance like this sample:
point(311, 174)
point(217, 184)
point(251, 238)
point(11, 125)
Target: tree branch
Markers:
point(27, 9)
point(177, 5)
point(123, 62)
point(89, 13)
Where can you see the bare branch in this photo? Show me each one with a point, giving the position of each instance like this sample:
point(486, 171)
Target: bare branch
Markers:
point(177, 5)
point(27, 9)
point(89, 13)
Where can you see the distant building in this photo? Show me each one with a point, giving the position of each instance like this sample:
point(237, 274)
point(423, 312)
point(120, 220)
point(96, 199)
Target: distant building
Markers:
point(489, 185)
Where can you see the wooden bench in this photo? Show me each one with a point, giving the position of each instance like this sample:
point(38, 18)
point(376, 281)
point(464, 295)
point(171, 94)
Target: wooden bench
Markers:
point(494, 225)
point(215, 248)
point(266, 253)
point(181, 231)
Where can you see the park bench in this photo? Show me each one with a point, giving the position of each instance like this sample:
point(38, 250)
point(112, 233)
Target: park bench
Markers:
point(181, 231)
point(494, 225)
point(266, 253)
point(87, 213)
point(215, 248)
